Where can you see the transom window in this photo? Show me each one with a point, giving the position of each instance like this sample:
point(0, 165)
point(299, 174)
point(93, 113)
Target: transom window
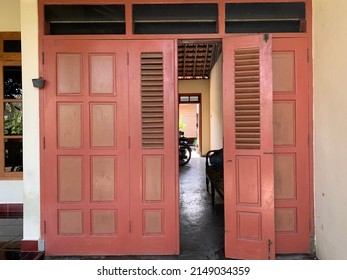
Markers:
point(175, 18)
point(191, 98)
point(267, 17)
point(84, 19)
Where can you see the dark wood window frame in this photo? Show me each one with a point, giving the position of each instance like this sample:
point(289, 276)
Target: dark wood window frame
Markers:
point(8, 59)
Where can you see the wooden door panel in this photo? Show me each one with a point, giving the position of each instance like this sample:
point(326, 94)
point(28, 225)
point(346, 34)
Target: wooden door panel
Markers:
point(284, 123)
point(248, 182)
point(86, 194)
point(69, 73)
point(102, 74)
point(103, 125)
point(248, 147)
point(103, 178)
point(69, 130)
point(93, 204)
point(70, 178)
point(153, 153)
point(291, 148)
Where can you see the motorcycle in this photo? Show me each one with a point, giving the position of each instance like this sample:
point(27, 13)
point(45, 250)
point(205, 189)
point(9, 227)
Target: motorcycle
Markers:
point(184, 151)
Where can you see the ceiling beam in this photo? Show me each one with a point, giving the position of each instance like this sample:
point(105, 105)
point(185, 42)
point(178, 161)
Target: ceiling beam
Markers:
point(196, 54)
point(205, 60)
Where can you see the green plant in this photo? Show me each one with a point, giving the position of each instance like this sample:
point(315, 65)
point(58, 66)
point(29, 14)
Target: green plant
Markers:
point(181, 125)
point(13, 119)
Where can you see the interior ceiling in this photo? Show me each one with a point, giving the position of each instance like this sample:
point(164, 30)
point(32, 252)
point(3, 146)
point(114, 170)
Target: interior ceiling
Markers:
point(197, 58)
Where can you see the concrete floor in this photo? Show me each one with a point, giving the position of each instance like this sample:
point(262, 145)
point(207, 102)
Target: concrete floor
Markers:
point(201, 225)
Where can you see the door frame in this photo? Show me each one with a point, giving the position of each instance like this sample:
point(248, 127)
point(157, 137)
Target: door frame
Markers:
point(219, 35)
point(200, 112)
point(42, 135)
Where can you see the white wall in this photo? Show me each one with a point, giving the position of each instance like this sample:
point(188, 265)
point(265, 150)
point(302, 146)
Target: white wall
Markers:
point(31, 140)
point(11, 191)
point(216, 106)
point(330, 127)
point(203, 87)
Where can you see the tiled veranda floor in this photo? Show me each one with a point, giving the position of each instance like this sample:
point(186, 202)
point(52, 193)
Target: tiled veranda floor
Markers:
point(11, 233)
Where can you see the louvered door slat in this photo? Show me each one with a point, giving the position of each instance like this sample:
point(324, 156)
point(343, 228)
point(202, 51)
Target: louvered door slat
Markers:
point(152, 100)
point(247, 99)
point(247, 90)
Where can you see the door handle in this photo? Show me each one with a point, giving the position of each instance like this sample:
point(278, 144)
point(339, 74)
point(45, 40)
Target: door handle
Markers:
point(268, 153)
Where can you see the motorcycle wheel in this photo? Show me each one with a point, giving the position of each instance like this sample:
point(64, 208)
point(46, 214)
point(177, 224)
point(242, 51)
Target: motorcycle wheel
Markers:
point(185, 153)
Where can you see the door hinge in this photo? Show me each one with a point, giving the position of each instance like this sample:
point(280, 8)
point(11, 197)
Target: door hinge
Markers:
point(127, 59)
point(308, 55)
point(269, 243)
point(44, 143)
point(309, 224)
point(129, 142)
point(130, 226)
point(266, 37)
point(43, 58)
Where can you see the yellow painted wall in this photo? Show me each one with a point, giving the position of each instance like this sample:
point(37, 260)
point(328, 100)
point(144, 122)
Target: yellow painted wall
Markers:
point(216, 106)
point(330, 127)
point(203, 87)
point(9, 15)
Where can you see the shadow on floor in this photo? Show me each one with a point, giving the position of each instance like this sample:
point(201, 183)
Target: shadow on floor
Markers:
point(202, 226)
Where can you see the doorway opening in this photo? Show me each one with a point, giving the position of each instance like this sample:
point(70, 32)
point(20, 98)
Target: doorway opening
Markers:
point(290, 185)
point(189, 112)
point(200, 82)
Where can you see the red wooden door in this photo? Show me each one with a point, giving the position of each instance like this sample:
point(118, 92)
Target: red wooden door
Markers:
point(291, 148)
point(248, 148)
point(103, 191)
point(153, 153)
point(85, 202)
